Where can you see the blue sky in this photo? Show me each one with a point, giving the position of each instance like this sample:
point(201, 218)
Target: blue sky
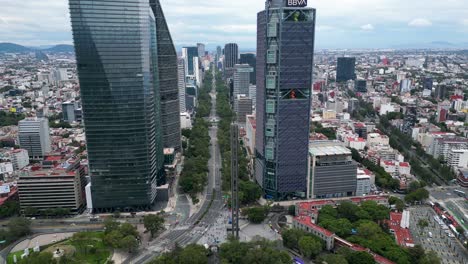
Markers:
point(340, 23)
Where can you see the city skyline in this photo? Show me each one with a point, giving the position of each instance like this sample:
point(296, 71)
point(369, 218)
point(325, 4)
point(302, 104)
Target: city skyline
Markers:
point(389, 24)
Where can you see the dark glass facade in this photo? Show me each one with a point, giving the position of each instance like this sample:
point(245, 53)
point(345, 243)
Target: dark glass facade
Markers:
point(346, 69)
point(192, 52)
point(250, 59)
point(117, 61)
point(285, 46)
point(168, 80)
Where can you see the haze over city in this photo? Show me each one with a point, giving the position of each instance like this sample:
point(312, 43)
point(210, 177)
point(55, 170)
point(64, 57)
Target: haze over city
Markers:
point(340, 24)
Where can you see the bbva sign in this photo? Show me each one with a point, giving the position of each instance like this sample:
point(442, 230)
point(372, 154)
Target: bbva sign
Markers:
point(296, 3)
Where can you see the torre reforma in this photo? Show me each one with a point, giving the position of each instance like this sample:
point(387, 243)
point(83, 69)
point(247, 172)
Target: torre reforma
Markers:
point(125, 94)
point(285, 48)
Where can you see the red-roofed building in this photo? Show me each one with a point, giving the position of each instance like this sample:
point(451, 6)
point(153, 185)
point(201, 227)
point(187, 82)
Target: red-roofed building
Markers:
point(402, 235)
point(306, 223)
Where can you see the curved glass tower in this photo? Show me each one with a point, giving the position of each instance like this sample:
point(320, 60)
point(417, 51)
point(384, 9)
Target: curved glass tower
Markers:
point(117, 60)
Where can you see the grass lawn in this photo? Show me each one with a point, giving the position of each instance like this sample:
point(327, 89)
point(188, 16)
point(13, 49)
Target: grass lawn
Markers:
point(91, 250)
point(18, 256)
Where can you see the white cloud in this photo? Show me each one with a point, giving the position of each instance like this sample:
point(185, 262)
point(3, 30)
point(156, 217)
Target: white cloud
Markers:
point(464, 22)
point(420, 22)
point(367, 27)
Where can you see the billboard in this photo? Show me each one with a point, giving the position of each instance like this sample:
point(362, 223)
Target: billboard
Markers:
point(4, 189)
point(296, 3)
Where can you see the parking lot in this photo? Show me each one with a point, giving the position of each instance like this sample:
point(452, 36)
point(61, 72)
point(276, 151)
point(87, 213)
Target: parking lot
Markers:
point(448, 249)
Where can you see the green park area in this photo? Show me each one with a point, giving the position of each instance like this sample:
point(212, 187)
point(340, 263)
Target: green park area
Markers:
point(87, 247)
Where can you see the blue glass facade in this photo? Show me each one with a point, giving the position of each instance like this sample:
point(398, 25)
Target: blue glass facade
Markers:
point(285, 46)
point(115, 44)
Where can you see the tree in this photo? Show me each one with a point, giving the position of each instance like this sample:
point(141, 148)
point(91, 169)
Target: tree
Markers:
point(309, 247)
point(80, 239)
point(291, 237)
point(128, 230)
point(257, 214)
point(348, 210)
point(251, 192)
point(360, 258)
point(422, 223)
point(129, 243)
point(153, 224)
point(332, 259)
point(430, 258)
point(110, 225)
point(18, 227)
point(194, 254)
point(292, 210)
point(113, 239)
point(368, 229)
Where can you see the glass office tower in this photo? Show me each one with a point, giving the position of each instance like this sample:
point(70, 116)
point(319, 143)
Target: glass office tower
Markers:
point(285, 48)
point(117, 61)
point(167, 81)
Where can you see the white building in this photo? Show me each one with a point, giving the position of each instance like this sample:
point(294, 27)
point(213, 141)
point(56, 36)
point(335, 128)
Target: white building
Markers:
point(19, 158)
point(250, 129)
point(389, 108)
point(363, 185)
point(374, 139)
point(34, 136)
point(181, 84)
point(355, 143)
point(185, 121)
point(253, 93)
point(6, 168)
point(458, 158)
point(242, 79)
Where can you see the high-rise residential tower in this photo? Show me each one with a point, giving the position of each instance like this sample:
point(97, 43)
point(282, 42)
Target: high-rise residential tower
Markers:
point(285, 48)
point(116, 46)
point(34, 136)
point(188, 54)
point(167, 80)
point(346, 69)
point(241, 79)
point(181, 84)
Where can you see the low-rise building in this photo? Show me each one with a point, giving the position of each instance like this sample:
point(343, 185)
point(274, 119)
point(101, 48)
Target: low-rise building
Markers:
point(462, 178)
point(307, 224)
point(363, 185)
point(19, 158)
point(61, 186)
point(332, 172)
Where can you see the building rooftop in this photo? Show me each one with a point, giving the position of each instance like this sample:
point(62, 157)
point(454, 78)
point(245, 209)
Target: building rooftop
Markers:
point(307, 220)
point(329, 151)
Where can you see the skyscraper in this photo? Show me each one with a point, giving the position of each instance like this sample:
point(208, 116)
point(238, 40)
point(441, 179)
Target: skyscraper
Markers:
point(346, 69)
point(285, 48)
point(241, 79)
point(167, 80)
point(201, 50)
point(34, 136)
point(250, 59)
point(188, 53)
point(219, 53)
point(231, 53)
point(181, 85)
point(117, 61)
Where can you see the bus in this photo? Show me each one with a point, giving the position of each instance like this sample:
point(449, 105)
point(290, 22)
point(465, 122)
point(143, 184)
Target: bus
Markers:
point(460, 193)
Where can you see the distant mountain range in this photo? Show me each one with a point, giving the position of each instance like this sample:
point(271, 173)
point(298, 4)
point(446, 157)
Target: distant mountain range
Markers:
point(15, 48)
